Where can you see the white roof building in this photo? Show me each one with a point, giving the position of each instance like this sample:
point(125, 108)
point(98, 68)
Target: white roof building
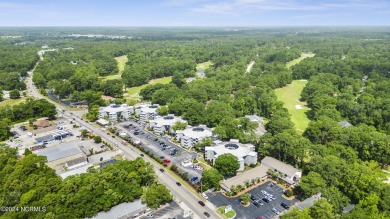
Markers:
point(114, 111)
point(290, 174)
point(245, 153)
point(146, 111)
point(192, 135)
point(161, 124)
point(61, 154)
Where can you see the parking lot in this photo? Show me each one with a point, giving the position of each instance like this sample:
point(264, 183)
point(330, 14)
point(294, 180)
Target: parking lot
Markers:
point(251, 212)
point(149, 143)
point(171, 211)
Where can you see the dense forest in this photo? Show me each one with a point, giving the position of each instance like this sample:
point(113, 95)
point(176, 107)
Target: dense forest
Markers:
point(27, 181)
point(348, 80)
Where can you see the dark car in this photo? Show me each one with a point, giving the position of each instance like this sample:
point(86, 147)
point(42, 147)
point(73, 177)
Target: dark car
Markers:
point(113, 136)
point(161, 143)
point(265, 200)
point(207, 214)
point(162, 170)
point(156, 139)
point(284, 205)
point(162, 157)
point(257, 204)
point(177, 183)
point(142, 155)
point(253, 198)
point(201, 203)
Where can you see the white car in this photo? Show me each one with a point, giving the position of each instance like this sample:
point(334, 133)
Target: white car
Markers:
point(204, 195)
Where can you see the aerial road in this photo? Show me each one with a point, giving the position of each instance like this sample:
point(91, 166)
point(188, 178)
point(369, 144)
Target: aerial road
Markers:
point(180, 193)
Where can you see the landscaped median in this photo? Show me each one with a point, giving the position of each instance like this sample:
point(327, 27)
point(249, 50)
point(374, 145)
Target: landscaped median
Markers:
point(230, 214)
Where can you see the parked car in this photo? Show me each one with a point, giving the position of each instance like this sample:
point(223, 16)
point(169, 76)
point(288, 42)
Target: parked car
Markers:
point(205, 196)
point(256, 204)
point(162, 157)
point(284, 205)
point(167, 161)
point(265, 200)
point(275, 211)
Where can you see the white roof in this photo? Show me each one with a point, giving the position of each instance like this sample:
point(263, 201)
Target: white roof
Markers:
point(59, 151)
point(169, 120)
point(148, 108)
point(113, 108)
point(232, 147)
point(121, 210)
point(80, 170)
point(255, 118)
point(102, 121)
point(198, 132)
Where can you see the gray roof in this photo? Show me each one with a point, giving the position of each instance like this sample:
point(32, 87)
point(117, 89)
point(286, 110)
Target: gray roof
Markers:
point(279, 166)
point(76, 161)
point(259, 171)
point(255, 118)
point(121, 210)
point(59, 151)
point(307, 203)
point(345, 123)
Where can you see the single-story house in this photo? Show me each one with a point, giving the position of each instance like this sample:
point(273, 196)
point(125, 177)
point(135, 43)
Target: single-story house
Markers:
point(240, 179)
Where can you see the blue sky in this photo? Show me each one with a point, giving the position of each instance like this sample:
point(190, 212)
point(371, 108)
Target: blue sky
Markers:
point(193, 12)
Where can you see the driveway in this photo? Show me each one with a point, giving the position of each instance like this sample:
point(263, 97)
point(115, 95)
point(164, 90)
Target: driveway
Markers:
point(252, 211)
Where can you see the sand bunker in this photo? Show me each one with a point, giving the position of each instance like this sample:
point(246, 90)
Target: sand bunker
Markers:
point(298, 107)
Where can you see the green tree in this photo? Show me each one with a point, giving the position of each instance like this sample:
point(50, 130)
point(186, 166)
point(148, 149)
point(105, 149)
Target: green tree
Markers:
point(245, 198)
point(97, 139)
point(297, 214)
point(163, 110)
point(14, 94)
point(336, 198)
point(179, 126)
point(227, 164)
point(5, 128)
point(27, 152)
point(321, 209)
point(156, 195)
point(210, 179)
point(312, 183)
point(84, 133)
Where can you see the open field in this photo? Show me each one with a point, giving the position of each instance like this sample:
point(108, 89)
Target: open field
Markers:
point(133, 92)
point(121, 62)
point(296, 61)
point(290, 95)
point(12, 102)
point(204, 65)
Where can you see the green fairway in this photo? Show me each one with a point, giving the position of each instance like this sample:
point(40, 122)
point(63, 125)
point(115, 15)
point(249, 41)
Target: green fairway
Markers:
point(290, 95)
point(204, 65)
point(121, 62)
point(296, 61)
point(133, 92)
point(12, 102)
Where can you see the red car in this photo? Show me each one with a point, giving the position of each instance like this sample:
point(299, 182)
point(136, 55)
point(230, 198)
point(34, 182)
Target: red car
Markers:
point(167, 161)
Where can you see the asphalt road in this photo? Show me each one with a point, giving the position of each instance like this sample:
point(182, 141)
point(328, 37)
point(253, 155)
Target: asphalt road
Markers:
point(180, 193)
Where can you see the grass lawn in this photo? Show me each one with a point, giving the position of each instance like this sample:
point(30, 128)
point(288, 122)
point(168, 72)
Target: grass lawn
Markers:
point(133, 92)
point(12, 102)
point(290, 95)
point(296, 61)
point(204, 65)
point(121, 62)
point(230, 214)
